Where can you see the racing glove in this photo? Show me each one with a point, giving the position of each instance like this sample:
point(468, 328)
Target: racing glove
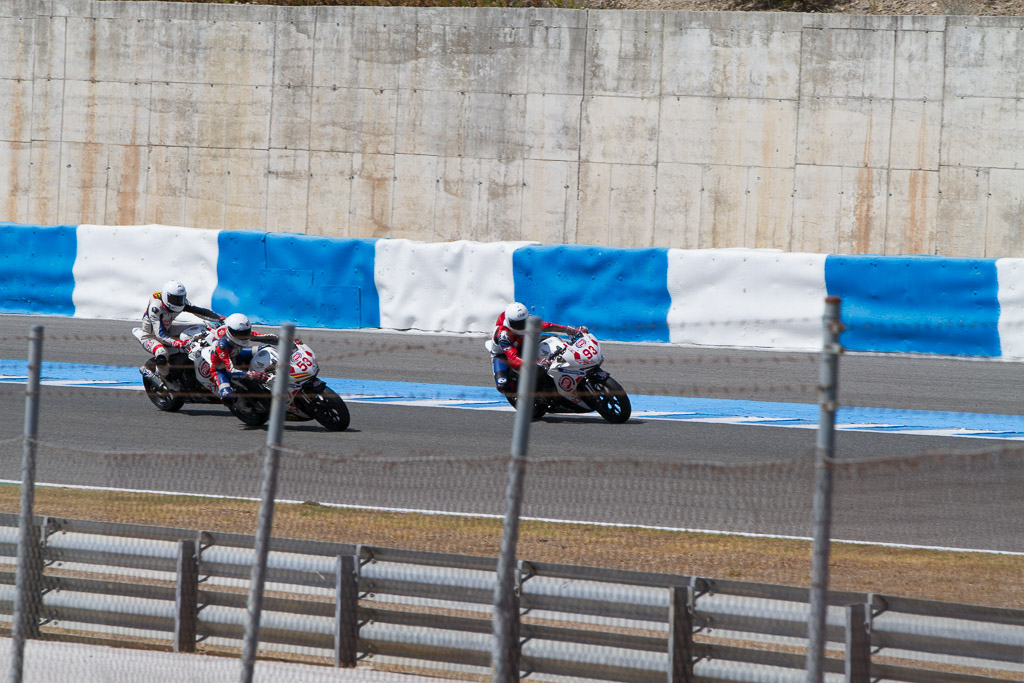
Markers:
point(257, 375)
point(577, 331)
point(179, 343)
point(545, 363)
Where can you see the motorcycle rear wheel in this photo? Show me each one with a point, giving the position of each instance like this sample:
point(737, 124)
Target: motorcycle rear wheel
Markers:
point(540, 406)
point(610, 400)
point(251, 410)
point(161, 397)
point(329, 410)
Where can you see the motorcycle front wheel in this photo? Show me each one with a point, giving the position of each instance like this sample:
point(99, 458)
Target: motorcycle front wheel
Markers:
point(329, 409)
point(610, 400)
point(161, 397)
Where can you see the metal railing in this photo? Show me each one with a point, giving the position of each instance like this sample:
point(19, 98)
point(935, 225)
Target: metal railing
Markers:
point(186, 586)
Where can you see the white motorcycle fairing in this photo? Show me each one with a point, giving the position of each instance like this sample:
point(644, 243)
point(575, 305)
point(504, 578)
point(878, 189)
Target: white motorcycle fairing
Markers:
point(309, 398)
point(571, 360)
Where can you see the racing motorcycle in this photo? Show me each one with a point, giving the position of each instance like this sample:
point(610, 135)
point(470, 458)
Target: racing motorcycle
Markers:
point(574, 381)
point(189, 379)
point(309, 397)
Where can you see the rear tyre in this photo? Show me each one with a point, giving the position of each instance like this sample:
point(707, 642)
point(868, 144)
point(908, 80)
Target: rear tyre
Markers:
point(252, 410)
point(161, 396)
point(329, 410)
point(610, 400)
point(540, 406)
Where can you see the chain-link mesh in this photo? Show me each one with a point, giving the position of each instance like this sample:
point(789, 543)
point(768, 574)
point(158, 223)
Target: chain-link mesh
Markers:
point(146, 506)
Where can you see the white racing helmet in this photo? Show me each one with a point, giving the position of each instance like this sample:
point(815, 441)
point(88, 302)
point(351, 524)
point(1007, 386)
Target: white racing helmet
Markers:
point(173, 296)
point(516, 315)
point(239, 329)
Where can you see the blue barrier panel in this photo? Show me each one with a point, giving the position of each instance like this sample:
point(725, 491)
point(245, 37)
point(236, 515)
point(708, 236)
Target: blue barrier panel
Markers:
point(917, 304)
point(620, 294)
point(36, 269)
point(310, 281)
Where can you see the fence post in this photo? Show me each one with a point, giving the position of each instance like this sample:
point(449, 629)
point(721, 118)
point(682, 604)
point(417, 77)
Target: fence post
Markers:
point(825, 452)
point(28, 578)
point(346, 613)
point(680, 634)
point(504, 653)
point(515, 633)
point(267, 494)
point(186, 598)
point(858, 643)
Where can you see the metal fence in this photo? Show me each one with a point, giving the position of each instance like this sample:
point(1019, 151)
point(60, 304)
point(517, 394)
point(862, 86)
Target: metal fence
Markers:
point(207, 590)
point(184, 587)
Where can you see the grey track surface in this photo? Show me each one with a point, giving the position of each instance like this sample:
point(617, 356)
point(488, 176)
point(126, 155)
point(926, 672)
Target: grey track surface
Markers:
point(644, 472)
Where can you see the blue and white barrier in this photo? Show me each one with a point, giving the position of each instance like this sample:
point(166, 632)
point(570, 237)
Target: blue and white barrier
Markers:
point(718, 297)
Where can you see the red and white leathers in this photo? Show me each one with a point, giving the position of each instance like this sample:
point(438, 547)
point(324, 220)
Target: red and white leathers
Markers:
point(157, 334)
point(229, 359)
point(507, 344)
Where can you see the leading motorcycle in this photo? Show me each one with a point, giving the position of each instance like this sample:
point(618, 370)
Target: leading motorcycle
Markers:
point(309, 397)
point(574, 381)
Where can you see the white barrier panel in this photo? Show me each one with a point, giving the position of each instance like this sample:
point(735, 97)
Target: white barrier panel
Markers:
point(1010, 274)
point(119, 268)
point(443, 287)
point(746, 297)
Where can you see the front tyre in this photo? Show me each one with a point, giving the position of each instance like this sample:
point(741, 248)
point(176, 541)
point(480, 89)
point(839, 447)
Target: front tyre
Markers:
point(329, 409)
point(610, 400)
point(161, 396)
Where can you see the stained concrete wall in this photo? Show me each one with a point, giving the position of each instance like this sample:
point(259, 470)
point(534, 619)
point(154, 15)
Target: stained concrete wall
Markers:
point(804, 132)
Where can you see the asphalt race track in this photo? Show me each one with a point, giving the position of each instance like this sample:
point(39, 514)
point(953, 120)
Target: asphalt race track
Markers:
point(965, 493)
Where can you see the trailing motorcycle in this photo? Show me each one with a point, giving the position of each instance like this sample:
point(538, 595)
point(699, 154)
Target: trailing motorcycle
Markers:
point(309, 397)
point(189, 379)
point(574, 381)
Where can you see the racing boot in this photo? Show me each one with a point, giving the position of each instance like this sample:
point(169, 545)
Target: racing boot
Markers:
point(503, 383)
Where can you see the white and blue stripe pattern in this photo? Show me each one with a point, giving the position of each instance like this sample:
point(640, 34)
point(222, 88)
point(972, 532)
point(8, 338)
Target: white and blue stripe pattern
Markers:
point(720, 297)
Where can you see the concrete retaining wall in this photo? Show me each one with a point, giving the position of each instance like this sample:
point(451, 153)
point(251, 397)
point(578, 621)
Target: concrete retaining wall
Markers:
point(756, 298)
point(808, 133)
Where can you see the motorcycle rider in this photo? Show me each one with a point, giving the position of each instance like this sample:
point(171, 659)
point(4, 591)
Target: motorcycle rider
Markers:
point(232, 353)
point(507, 343)
point(158, 331)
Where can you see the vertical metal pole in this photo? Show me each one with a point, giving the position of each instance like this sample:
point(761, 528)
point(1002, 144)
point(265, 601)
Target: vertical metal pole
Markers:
point(346, 613)
point(680, 634)
point(858, 643)
point(24, 592)
point(827, 390)
point(506, 610)
point(267, 495)
point(186, 598)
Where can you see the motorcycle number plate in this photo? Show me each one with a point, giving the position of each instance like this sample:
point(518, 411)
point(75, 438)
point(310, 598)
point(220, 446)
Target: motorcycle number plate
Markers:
point(301, 363)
